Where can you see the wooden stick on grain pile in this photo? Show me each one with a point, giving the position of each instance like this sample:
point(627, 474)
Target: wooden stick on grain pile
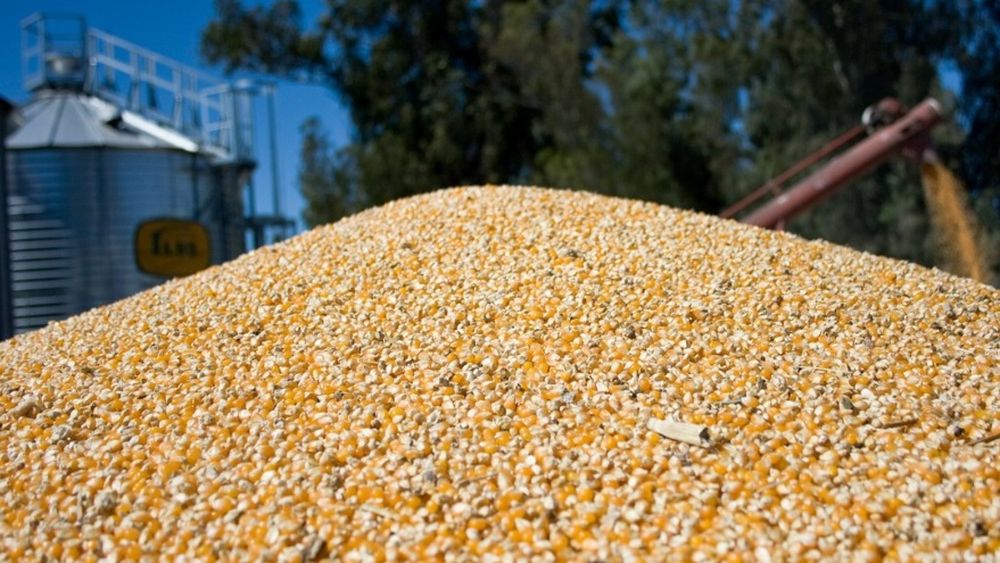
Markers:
point(472, 373)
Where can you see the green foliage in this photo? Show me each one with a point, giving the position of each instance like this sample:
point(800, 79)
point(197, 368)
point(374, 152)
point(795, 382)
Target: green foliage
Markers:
point(430, 108)
point(263, 39)
point(328, 178)
point(978, 59)
point(815, 68)
point(684, 102)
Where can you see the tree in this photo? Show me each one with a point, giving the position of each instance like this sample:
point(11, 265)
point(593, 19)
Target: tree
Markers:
point(873, 49)
point(610, 100)
point(326, 177)
point(429, 107)
point(681, 102)
point(447, 93)
point(978, 58)
point(792, 74)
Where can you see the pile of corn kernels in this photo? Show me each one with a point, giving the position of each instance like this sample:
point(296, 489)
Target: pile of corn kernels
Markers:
point(470, 375)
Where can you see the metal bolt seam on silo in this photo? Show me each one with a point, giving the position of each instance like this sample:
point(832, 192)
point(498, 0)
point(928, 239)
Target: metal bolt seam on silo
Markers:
point(113, 136)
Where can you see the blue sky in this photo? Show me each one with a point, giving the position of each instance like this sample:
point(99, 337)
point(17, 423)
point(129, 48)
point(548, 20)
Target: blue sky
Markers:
point(173, 29)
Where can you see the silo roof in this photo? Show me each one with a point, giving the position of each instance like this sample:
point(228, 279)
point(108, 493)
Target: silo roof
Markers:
point(72, 119)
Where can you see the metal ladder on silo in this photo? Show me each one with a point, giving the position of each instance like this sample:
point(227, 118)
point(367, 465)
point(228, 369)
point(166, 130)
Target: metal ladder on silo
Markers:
point(213, 113)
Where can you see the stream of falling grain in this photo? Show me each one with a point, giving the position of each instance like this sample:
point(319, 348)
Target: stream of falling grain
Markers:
point(953, 221)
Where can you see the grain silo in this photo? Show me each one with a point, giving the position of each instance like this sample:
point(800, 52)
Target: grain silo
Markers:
point(126, 169)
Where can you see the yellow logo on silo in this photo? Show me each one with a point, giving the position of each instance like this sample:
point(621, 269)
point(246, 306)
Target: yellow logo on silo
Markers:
point(172, 247)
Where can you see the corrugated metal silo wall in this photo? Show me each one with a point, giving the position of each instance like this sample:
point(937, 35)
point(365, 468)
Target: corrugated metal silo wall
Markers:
point(74, 213)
